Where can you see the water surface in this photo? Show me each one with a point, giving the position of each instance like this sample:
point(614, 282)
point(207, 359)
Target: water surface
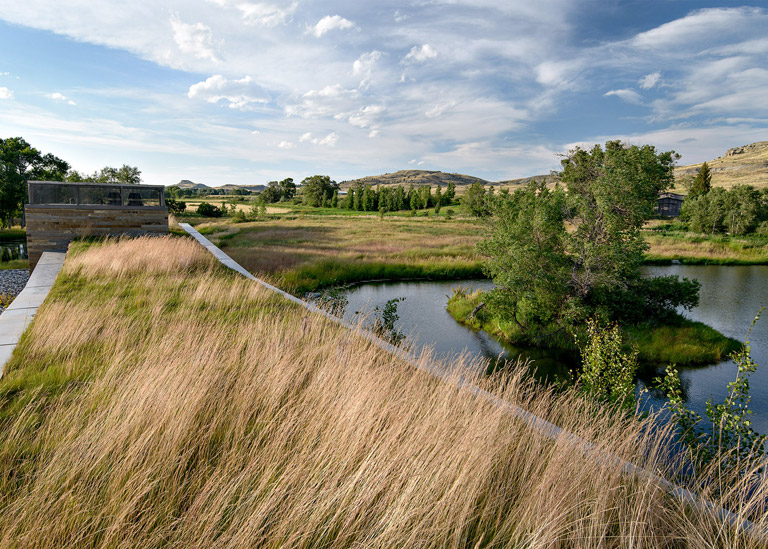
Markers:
point(729, 299)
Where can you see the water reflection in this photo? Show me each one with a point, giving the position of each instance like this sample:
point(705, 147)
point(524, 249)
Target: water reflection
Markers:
point(730, 297)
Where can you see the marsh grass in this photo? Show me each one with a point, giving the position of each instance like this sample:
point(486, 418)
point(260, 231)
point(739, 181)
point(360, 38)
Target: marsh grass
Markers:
point(158, 400)
point(304, 254)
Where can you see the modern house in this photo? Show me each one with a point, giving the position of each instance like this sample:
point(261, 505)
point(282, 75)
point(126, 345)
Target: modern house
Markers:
point(59, 212)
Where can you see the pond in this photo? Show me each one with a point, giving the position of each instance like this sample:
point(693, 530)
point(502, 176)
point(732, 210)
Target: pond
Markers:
point(730, 297)
point(13, 249)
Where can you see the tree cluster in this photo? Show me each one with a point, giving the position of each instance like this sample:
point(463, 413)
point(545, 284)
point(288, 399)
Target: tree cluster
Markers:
point(124, 175)
point(559, 256)
point(277, 191)
point(738, 211)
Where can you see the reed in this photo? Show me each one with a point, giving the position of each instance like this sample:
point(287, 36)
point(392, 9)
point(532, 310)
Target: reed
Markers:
point(158, 400)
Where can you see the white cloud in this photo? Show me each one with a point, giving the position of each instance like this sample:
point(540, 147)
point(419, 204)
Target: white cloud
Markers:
point(329, 23)
point(437, 110)
point(364, 117)
point(701, 25)
point(285, 145)
point(373, 133)
point(59, 98)
point(627, 94)
point(400, 17)
point(363, 66)
point(239, 94)
point(649, 80)
point(5, 93)
point(419, 54)
point(261, 13)
point(329, 140)
point(196, 39)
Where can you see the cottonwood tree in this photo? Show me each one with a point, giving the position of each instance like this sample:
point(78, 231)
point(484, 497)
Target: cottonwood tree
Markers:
point(19, 163)
point(559, 256)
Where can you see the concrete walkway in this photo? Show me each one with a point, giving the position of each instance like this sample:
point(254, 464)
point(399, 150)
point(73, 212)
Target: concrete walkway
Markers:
point(20, 313)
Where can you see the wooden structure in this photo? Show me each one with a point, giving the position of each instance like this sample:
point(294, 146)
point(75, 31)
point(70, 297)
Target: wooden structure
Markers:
point(59, 212)
point(669, 204)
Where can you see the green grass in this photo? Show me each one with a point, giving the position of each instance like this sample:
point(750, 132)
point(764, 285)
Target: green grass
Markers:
point(671, 241)
point(679, 341)
point(12, 234)
point(14, 264)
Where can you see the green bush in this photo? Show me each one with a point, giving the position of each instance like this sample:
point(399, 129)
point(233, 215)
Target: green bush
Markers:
point(209, 210)
point(176, 207)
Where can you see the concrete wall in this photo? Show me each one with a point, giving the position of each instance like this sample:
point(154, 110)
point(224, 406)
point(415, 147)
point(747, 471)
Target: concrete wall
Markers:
point(54, 227)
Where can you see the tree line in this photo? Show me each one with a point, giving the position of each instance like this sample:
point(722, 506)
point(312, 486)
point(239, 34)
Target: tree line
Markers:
point(20, 162)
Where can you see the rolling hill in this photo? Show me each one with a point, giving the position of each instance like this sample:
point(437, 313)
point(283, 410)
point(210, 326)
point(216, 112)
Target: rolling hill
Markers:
point(746, 165)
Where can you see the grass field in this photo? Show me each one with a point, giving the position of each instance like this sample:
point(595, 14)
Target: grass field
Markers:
point(304, 249)
point(158, 400)
point(301, 253)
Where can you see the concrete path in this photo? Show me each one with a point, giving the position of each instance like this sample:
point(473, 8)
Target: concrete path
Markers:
point(20, 313)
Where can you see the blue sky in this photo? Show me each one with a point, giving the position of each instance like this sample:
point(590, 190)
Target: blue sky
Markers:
point(244, 91)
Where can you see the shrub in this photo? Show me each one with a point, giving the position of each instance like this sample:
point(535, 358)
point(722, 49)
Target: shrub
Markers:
point(209, 210)
point(176, 207)
point(730, 439)
point(608, 371)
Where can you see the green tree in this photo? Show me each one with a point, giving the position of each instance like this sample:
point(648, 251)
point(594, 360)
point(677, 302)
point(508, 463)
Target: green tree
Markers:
point(450, 193)
point(702, 183)
point(272, 193)
point(124, 175)
point(550, 279)
point(287, 188)
point(474, 200)
point(318, 189)
point(19, 163)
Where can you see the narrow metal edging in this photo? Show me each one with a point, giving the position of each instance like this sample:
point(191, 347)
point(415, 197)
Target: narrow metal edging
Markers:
point(19, 314)
point(550, 430)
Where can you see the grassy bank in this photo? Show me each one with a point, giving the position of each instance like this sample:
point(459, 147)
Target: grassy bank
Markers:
point(159, 400)
point(681, 341)
point(671, 241)
point(304, 253)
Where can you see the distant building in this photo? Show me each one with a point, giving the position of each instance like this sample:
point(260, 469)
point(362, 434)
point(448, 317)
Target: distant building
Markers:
point(669, 204)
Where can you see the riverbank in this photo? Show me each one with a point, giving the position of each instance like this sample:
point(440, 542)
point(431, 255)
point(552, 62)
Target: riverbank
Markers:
point(159, 399)
point(669, 241)
point(680, 341)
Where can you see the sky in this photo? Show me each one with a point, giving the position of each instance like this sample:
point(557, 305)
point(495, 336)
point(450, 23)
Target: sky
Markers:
point(245, 91)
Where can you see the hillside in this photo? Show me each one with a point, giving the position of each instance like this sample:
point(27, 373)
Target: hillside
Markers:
point(415, 177)
point(746, 165)
point(187, 184)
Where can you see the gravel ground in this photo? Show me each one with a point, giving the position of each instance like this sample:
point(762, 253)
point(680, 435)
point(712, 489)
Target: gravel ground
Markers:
point(12, 281)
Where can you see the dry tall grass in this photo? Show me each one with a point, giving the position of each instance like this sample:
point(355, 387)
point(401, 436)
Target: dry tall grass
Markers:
point(149, 406)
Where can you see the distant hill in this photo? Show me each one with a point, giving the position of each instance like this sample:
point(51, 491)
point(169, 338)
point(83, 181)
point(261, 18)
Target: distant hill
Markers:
point(415, 177)
point(187, 184)
point(746, 165)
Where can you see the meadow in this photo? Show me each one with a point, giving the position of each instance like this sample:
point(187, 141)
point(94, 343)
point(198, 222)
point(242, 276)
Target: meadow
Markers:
point(160, 400)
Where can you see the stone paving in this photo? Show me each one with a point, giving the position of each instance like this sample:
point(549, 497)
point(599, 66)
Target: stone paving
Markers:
point(12, 282)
